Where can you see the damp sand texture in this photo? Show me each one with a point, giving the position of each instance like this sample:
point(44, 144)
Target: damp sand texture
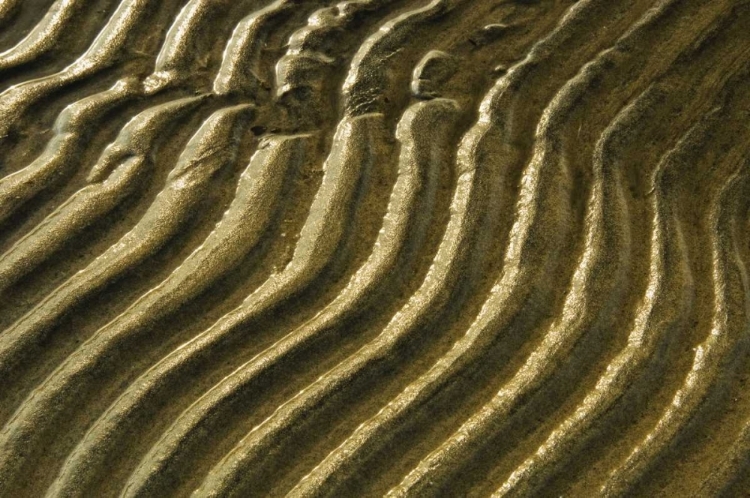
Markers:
point(403, 248)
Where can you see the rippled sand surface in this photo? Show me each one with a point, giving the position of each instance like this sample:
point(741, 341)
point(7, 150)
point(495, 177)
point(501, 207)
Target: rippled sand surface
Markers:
point(374, 247)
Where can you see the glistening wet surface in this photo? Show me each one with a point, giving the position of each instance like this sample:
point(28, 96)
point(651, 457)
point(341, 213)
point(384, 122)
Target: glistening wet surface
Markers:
point(374, 247)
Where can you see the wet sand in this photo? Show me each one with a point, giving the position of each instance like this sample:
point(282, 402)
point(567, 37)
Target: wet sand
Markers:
point(374, 247)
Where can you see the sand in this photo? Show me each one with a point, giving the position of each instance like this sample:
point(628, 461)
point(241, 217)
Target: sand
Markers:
point(368, 248)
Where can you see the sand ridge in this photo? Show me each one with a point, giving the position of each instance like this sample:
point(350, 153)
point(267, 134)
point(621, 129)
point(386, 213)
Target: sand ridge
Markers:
point(374, 247)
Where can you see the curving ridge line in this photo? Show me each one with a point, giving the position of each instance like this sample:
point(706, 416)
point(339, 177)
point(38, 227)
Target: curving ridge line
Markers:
point(8, 9)
point(240, 71)
point(304, 402)
point(211, 148)
point(603, 239)
point(177, 59)
point(141, 385)
point(128, 403)
point(178, 52)
point(583, 303)
point(606, 252)
point(423, 306)
point(316, 242)
point(368, 76)
point(657, 313)
point(171, 208)
point(729, 329)
point(113, 177)
point(101, 54)
point(412, 192)
point(319, 476)
point(352, 153)
point(653, 89)
point(44, 35)
point(494, 109)
point(235, 235)
point(655, 317)
point(321, 231)
point(309, 48)
point(472, 191)
point(72, 128)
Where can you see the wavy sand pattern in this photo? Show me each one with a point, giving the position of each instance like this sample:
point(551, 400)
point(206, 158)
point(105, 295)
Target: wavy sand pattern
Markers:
point(374, 247)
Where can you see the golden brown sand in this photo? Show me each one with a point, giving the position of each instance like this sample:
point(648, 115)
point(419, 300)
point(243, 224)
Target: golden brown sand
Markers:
point(407, 247)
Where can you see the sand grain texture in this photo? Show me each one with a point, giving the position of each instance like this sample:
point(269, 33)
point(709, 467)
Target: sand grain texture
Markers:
point(374, 247)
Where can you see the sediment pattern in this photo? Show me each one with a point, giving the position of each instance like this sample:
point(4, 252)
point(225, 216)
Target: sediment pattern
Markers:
point(374, 247)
